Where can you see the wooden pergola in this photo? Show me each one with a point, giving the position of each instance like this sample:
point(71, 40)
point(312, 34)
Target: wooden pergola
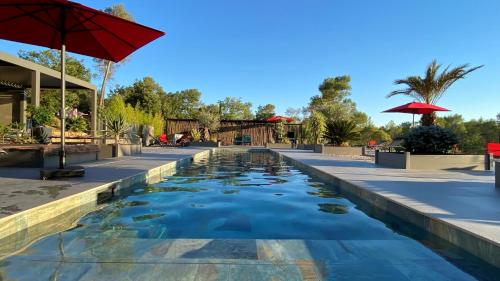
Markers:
point(18, 75)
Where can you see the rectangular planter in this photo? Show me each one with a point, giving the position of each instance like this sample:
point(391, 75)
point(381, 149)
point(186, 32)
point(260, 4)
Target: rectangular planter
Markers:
point(431, 162)
point(305, 146)
point(205, 144)
point(279, 145)
point(47, 156)
point(338, 150)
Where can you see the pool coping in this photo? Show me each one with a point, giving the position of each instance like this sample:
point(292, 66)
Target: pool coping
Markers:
point(479, 246)
point(19, 225)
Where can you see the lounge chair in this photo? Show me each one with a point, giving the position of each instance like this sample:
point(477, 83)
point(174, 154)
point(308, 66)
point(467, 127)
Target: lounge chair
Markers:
point(247, 139)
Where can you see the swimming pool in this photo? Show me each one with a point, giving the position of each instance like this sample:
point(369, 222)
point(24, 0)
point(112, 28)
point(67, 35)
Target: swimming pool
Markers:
point(235, 215)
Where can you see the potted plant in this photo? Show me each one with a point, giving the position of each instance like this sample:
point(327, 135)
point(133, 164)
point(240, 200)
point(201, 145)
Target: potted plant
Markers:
point(115, 127)
point(340, 132)
point(41, 117)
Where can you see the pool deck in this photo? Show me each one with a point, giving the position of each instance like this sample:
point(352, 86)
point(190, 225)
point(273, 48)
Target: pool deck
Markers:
point(21, 188)
point(467, 200)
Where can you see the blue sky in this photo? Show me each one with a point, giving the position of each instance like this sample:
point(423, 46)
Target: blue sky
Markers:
point(279, 51)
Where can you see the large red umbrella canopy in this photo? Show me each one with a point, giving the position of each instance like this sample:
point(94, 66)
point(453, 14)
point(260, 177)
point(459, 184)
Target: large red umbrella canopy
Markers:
point(66, 25)
point(417, 108)
point(83, 30)
point(279, 117)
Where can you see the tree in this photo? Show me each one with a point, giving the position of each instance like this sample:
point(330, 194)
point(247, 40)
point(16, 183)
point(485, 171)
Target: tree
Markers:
point(235, 109)
point(265, 112)
point(317, 126)
point(107, 68)
point(51, 98)
point(340, 132)
point(146, 93)
point(183, 104)
point(430, 88)
point(298, 114)
point(333, 102)
point(209, 120)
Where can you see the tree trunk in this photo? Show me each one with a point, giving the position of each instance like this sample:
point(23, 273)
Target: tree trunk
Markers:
point(428, 119)
point(103, 85)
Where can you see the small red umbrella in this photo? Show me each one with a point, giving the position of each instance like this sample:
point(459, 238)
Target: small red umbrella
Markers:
point(66, 25)
point(279, 117)
point(416, 108)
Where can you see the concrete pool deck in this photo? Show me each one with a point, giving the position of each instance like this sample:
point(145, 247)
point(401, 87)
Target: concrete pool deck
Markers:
point(21, 188)
point(465, 200)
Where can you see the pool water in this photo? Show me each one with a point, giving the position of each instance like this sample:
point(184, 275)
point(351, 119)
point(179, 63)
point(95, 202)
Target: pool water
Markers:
point(234, 215)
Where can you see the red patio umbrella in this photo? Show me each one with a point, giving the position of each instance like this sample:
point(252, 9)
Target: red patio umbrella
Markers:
point(279, 117)
point(66, 25)
point(416, 108)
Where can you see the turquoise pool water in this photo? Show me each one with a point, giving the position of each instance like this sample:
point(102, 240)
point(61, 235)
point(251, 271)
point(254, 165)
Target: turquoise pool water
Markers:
point(235, 216)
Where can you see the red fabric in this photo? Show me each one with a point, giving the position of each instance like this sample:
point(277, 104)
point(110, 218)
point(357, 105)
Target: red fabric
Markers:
point(163, 138)
point(417, 108)
point(493, 148)
point(279, 117)
point(372, 143)
point(88, 31)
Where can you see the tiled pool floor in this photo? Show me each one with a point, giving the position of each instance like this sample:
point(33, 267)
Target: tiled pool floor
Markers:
point(113, 258)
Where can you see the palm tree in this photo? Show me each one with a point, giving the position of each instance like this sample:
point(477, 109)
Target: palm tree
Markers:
point(431, 88)
point(340, 132)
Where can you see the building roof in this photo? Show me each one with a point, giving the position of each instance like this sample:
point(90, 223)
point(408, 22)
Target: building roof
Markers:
point(17, 72)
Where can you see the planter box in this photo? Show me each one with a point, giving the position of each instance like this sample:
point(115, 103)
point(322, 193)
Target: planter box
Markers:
point(47, 156)
point(204, 144)
point(107, 151)
point(432, 162)
point(305, 146)
point(279, 145)
point(338, 150)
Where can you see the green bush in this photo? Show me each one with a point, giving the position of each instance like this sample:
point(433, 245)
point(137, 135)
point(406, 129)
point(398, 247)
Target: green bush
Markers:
point(77, 124)
point(340, 132)
point(429, 140)
point(196, 135)
point(40, 115)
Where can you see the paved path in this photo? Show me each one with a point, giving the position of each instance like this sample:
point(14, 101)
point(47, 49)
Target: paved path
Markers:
point(467, 199)
point(21, 188)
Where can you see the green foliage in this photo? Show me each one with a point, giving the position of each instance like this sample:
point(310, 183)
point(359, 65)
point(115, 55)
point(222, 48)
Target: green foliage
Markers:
point(4, 132)
point(333, 90)
point(40, 115)
point(280, 131)
point(317, 126)
point(340, 132)
point(371, 132)
point(183, 104)
point(430, 89)
point(196, 134)
point(74, 67)
point(156, 121)
point(209, 120)
point(116, 125)
point(235, 109)
point(265, 112)
point(146, 93)
point(77, 124)
point(429, 140)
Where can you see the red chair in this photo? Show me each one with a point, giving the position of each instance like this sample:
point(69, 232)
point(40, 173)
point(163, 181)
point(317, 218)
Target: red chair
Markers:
point(163, 140)
point(493, 148)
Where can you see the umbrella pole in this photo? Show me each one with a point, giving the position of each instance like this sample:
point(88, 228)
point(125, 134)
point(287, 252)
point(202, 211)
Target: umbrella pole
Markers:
point(413, 122)
point(62, 153)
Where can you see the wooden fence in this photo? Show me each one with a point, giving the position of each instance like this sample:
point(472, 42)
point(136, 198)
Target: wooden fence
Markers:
point(260, 131)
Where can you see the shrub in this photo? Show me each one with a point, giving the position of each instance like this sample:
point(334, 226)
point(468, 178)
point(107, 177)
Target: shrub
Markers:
point(77, 124)
point(196, 135)
point(317, 126)
point(429, 140)
point(40, 115)
point(340, 132)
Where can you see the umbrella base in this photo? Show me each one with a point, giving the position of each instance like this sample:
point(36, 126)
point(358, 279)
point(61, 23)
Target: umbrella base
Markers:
point(68, 172)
